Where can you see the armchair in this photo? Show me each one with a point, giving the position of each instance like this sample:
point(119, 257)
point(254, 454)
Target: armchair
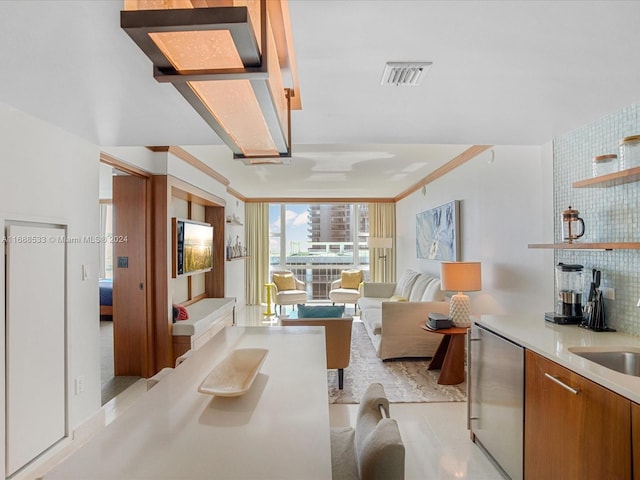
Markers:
point(347, 288)
point(288, 289)
point(337, 340)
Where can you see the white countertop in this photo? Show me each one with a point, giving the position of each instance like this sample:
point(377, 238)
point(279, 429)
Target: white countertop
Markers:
point(553, 342)
point(278, 429)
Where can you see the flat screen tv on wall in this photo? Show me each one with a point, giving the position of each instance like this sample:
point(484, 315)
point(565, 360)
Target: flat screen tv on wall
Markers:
point(192, 247)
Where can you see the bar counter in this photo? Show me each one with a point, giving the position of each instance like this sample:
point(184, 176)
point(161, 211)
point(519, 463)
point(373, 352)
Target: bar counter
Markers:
point(278, 429)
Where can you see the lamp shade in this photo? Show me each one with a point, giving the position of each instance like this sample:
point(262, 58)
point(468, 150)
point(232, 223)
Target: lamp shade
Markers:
point(380, 242)
point(460, 276)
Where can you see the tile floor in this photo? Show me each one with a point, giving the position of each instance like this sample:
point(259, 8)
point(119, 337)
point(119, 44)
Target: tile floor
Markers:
point(435, 434)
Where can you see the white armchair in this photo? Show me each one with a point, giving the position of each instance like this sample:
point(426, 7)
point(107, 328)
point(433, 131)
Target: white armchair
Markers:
point(347, 288)
point(288, 290)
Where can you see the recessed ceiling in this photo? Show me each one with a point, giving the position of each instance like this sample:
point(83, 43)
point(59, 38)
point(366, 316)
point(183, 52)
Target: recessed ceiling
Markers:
point(504, 73)
point(333, 171)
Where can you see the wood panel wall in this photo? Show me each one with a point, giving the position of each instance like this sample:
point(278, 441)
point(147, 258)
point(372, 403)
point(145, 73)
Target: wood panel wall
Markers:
point(165, 188)
point(214, 280)
point(162, 316)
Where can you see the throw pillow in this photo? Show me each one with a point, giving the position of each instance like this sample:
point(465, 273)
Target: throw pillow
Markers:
point(350, 279)
point(179, 313)
point(284, 281)
point(398, 298)
point(320, 311)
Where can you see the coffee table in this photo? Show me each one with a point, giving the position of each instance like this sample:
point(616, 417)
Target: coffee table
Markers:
point(449, 356)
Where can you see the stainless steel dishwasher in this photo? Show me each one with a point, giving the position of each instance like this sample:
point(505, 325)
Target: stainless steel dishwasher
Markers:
point(496, 398)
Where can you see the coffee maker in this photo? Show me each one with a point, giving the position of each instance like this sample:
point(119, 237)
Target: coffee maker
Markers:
point(570, 285)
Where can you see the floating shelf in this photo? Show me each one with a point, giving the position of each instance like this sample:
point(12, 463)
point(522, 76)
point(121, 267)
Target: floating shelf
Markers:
point(236, 258)
point(611, 180)
point(589, 246)
point(235, 222)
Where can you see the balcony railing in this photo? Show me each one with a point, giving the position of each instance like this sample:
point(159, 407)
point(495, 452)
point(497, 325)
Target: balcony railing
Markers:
point(322, 264)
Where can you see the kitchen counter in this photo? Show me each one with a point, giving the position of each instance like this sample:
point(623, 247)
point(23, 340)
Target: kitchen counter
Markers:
point(553, 342)
point(278, 429)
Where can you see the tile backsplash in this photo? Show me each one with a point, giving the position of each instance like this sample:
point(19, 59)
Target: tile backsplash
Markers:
point(610, 214)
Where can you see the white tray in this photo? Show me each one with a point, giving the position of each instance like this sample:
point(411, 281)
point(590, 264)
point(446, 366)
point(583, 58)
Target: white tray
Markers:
point(234, 375)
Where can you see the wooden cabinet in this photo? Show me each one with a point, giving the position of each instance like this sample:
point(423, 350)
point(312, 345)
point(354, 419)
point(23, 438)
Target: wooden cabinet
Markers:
point(635, 439)
point(574, 428)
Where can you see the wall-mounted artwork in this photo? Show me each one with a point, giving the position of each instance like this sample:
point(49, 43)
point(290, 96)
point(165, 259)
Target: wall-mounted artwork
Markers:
point(437, 233)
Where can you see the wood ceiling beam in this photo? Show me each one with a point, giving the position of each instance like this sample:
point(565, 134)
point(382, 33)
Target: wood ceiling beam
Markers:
point(464, 157)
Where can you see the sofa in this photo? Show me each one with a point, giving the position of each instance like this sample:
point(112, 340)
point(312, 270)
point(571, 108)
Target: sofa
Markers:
point(392, 313)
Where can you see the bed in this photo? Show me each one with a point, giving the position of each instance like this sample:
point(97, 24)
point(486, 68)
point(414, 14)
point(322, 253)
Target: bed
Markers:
point(106, 296)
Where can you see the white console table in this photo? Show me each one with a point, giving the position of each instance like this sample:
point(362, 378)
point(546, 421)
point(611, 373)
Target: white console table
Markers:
point(279, 429)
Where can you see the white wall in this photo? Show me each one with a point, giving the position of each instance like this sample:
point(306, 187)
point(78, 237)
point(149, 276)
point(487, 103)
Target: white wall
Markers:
point(505, 204)
point(51, 176)
point(141, 157)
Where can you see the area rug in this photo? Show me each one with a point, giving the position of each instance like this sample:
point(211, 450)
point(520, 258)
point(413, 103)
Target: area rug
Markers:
point(404, 381)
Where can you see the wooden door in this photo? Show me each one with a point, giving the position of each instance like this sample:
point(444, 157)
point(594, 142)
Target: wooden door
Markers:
point(583, 434)
point(35, 375)
point(130, 331)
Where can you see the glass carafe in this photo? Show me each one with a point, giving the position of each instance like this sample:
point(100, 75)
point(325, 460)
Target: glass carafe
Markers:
point(572, 225)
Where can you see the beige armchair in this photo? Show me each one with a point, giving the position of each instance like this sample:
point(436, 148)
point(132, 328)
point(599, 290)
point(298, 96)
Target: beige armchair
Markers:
point(337, 340)
point(288, 289)
point(347, 288)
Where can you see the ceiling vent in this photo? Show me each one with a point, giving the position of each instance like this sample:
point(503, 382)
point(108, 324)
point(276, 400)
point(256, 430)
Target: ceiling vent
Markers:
point(404, 73)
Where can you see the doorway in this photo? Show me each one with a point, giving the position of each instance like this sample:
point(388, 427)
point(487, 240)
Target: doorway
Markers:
point(124, 333)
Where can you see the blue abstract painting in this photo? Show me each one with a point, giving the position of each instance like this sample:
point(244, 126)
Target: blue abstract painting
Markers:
point(437, 233)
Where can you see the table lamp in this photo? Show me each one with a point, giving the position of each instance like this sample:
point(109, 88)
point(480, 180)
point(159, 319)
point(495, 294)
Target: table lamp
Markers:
point(460, 277)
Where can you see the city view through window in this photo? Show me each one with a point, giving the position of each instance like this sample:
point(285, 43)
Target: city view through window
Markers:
point(317, 241)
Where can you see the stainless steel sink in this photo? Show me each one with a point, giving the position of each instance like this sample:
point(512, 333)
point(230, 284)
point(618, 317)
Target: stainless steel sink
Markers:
point(623, 361)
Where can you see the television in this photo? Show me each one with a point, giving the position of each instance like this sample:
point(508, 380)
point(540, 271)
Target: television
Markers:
point(192, 247)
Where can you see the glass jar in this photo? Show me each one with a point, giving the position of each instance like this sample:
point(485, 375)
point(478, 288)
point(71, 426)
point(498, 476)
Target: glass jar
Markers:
point(630, 152)
point(605, 164)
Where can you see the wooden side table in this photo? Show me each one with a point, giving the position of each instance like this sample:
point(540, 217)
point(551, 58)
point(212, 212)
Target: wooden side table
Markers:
point(449, 357)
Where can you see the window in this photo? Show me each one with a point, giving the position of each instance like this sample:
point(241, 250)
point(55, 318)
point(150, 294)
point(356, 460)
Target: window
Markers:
point(318, 241)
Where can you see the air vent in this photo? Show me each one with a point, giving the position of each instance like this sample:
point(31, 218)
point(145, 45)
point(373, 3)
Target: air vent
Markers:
point(404, 73)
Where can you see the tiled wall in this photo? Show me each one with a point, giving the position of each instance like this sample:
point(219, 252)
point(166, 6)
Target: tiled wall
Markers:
point(610, 214)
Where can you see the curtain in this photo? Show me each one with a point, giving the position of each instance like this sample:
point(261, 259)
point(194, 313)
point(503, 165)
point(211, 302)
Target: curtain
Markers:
point(382, 224)
point(256, 231)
